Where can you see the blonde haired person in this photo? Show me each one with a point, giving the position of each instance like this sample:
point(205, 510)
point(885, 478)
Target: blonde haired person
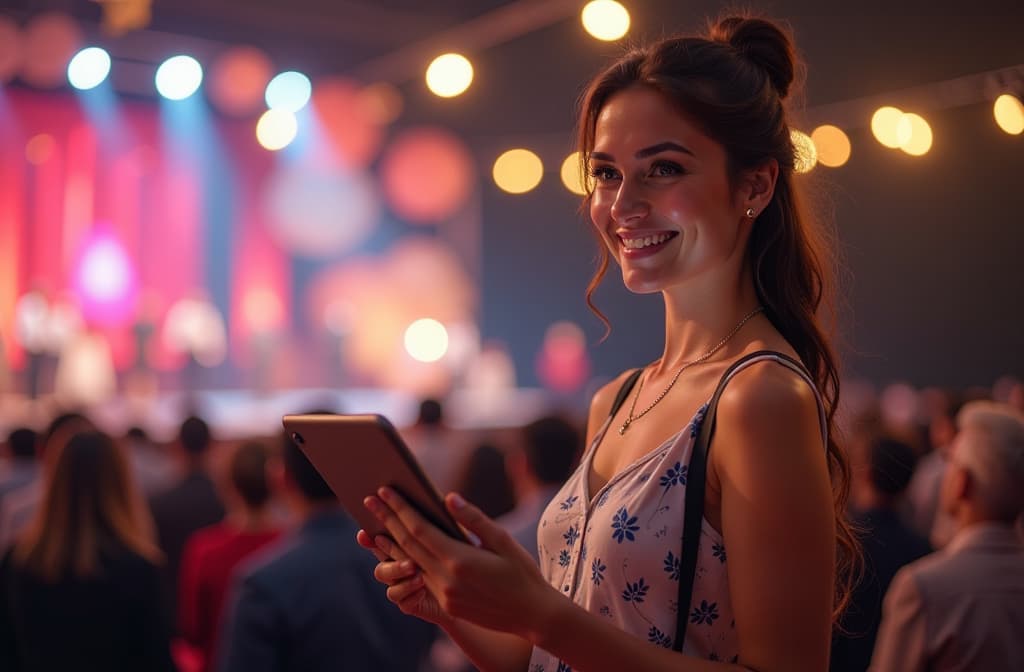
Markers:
point(80, 589)
point(962, 608)
point(695, 198)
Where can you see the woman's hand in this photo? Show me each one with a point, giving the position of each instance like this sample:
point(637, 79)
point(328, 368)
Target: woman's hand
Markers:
point(496, 586)
point(403, 579)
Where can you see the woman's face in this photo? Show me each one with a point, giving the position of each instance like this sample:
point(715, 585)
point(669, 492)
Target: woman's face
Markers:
point(662, 201)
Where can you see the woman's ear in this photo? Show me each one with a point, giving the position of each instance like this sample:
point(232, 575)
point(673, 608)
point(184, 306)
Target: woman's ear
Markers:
point(758, 186)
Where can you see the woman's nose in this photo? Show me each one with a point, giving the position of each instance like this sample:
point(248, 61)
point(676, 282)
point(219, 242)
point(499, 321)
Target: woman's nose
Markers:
point(629, 204)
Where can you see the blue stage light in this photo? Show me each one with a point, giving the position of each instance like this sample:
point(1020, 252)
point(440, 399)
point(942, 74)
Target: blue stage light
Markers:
point(289, 91)
point(179, 77)
point(89, 68)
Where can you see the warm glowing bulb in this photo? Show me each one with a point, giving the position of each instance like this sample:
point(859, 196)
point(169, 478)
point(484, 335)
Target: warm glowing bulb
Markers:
point(884, 124)
point(426, 340)
point(517, 171)
point(805, 156)
point(572, 176)
point(605, 19)
point(832, 144)
point(449, 75)
point(1009, 113)
point(915, 134)
point(276, 129)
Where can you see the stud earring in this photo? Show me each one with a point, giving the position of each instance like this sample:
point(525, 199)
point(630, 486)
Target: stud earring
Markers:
point(750, 213)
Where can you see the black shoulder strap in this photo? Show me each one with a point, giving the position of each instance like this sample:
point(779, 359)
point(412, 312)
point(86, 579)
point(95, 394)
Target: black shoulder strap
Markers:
point(694, 509)
point(627, 386)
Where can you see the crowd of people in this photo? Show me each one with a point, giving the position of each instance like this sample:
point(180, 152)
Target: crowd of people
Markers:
point(204, 555)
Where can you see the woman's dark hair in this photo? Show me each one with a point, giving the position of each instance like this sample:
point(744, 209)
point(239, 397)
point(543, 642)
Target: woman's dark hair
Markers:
point(90, 507)
point(732, 83)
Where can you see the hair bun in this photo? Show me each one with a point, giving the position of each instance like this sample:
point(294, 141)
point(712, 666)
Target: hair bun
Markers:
point(762, 43)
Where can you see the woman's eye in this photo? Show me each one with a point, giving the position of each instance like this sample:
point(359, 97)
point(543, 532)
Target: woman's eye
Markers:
point(602, 173)
point(666, 169)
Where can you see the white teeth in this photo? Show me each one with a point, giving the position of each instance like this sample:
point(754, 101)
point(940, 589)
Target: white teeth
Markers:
point(640, 243)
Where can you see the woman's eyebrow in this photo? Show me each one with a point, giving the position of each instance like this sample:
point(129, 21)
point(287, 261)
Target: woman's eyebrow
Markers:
point(647, 151)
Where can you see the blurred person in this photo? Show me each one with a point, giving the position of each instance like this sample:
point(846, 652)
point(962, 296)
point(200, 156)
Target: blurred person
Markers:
point(19, 505)
point(310, 602)
point(190, 505)
point(80, 589)
point(154, 471)
point(922, 503)
point(551, 447)
point(211, 554)
point(485, 481)
point(20, 466)
point(888, 545)
point(432, 443)
point(962, 608)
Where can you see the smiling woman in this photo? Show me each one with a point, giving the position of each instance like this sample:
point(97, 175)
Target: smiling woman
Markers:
point(719, 502)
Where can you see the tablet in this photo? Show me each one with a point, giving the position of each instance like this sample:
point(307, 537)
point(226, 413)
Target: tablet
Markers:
point(356, 455)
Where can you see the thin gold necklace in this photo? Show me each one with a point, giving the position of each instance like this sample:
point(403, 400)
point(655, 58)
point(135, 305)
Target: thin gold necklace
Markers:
point(630, 418)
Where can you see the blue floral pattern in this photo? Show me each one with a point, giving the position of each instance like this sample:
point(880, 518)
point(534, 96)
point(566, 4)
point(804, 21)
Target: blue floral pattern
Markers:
point(634, 523)
point(597, 571)
point(676, 475)
point(624, 526)
point(672, 566)
point(655, 636)
point(705, 613)
point(636, 591)
point(562, 667)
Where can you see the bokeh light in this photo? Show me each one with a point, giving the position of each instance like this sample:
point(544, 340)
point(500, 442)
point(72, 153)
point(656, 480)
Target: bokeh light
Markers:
point(50, 40)
point(572, 174)
point(426, 340)
point(276, 129)
point(195, 326)
point(914, 134)
point(605, 19)
point(427, 175)
point(320, 211)
point(1009, 114)
point(832, 144)
point(105, 280)
point(11, 49)
point(262, 310)
point(449, 75)
point(179, 77)
point(381, 102)
point(89, 68)
point(289, 91)
point(884, 123)
point(805, 156)
point(563, 364)
point(353, 132)
point(40, 148)
point(238, 80)
point(518, 171)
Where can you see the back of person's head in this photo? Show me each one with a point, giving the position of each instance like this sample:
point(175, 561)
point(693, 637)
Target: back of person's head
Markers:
point(732, 83)
point(552, 446)
point(247, 470)
point(891, 465)
point(22, 443)
point(136, 434)
point(990, 446)
point(310, 484)
point(194, 435)
point(431, 413)
point(65, 423)
point(90, 506)
point(485, 481)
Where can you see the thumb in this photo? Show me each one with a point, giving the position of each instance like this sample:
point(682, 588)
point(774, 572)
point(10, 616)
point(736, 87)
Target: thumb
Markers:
point(491, 535)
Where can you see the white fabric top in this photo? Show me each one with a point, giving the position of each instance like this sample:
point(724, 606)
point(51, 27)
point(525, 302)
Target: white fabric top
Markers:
point(617, 553)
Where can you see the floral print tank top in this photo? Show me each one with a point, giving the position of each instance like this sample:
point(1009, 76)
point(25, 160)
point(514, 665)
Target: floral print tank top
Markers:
point(617, 554)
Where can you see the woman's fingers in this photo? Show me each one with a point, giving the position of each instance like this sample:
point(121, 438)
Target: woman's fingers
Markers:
point(414, 525)
point(394, 572)
point(409, 531)
point(363, 539)
point(402, 592)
